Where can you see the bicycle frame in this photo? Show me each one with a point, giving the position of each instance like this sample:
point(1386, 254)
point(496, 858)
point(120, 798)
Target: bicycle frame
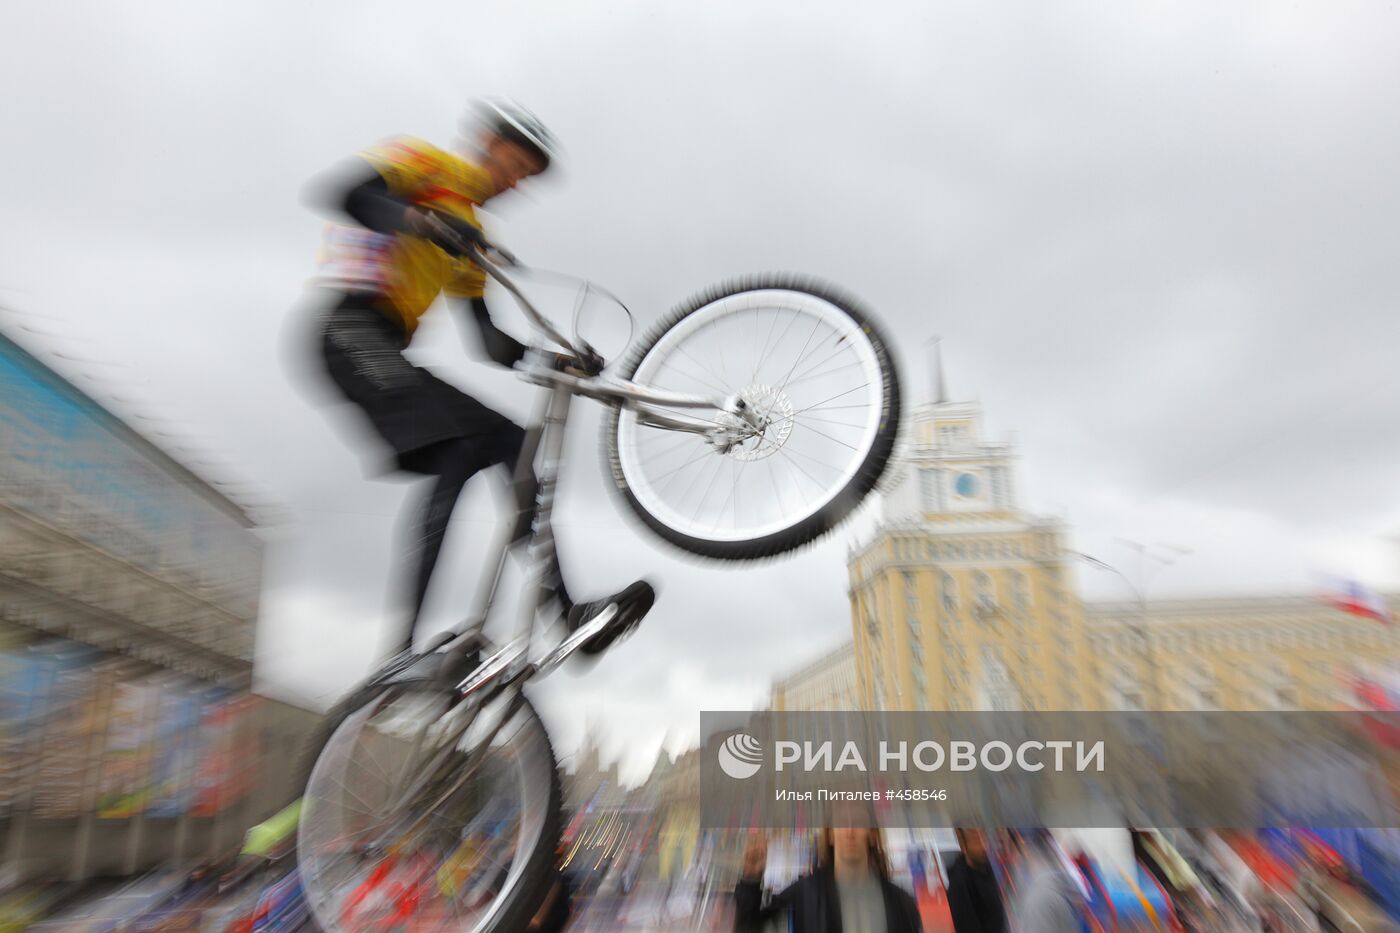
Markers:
point(514, 663)
point(485, 691)
point(641, 399)
point(506, 671)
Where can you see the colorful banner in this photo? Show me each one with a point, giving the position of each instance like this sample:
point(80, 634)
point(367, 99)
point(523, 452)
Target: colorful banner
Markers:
point(230, 751)
point(130, 747)
point(176, 751)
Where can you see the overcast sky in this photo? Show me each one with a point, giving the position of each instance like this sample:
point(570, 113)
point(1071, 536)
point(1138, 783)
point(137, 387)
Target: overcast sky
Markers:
point(1158, 240)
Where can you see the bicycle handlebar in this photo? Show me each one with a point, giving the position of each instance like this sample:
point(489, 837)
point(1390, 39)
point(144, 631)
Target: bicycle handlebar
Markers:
point(481, 252)
point(538, 320)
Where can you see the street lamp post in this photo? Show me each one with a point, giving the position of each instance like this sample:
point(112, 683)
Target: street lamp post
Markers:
point(1139, 590)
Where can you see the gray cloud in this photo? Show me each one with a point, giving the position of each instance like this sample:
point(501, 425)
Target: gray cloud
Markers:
point(1156, 239)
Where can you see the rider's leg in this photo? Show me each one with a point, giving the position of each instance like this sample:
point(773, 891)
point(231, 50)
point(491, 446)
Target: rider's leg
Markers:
point(633, 601)
point(450, 463)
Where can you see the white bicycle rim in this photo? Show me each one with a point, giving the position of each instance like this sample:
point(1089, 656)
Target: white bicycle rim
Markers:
point(825, 393)
point(345, 803)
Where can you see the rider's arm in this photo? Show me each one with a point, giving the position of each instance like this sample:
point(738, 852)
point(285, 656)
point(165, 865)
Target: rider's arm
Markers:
point(360, 191)
point(370, 204)
point(500, 347)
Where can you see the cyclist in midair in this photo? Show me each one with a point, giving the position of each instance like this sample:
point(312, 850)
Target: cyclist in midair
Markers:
point(413, 207)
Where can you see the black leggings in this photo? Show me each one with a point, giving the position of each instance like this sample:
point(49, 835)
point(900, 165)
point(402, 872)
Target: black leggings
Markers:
point(433, 428)
point(451, 463)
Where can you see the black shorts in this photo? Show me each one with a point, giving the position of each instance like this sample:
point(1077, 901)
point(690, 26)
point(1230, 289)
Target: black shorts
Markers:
point(409, 407)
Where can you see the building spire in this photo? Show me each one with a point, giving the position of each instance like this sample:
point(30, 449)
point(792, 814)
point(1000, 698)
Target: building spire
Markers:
point(935, 362)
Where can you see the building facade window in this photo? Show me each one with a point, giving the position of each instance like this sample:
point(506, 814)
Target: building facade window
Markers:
point(1000, 497)
point(931, 489)
point(949, 586)
point(986, 593)
point(1020, 591)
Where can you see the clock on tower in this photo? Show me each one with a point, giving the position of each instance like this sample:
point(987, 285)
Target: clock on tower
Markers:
point(967, 485)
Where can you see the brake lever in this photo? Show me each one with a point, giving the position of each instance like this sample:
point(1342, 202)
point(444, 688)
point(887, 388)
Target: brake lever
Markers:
point(589, 357)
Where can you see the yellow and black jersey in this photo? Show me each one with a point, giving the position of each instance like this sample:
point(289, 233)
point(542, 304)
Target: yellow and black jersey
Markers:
point(407, 271)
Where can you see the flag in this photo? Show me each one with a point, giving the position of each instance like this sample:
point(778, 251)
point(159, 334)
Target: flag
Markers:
point(1356, 598)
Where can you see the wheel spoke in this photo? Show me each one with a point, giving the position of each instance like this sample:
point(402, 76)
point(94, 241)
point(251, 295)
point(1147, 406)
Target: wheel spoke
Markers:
point(733, 488)
point(717, 387)
point(851, 365)
point(834, 398)
point(702, 456)
point(793, 451)
point(800, 354)
point(804, 348)
point(763, 356)
point(369, 808)
point(475, 838)
point(718, 470)
point(829, 437)
point(684, 441)
point(843, 424)
point(777, 490)
point(762, 353)
point(798, 467)
point(806, 373)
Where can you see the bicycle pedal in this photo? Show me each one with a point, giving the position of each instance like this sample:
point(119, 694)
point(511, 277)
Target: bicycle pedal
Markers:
point(587, 632)
point(633, 605)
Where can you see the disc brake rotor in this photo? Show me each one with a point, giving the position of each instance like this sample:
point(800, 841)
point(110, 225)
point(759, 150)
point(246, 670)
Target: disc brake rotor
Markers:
point(775, 413)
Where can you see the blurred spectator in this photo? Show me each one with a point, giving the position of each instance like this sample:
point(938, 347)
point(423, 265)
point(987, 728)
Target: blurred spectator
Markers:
point(1052, 897)
point(557, 907)
point(849, 890)
point(974, 898)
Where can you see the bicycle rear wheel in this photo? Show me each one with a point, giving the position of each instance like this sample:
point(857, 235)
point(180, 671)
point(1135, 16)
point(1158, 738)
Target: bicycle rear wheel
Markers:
point(811, 363)
point(398, 832)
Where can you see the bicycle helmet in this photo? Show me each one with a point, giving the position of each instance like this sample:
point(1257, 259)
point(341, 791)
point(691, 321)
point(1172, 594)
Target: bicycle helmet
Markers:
point(513, 122)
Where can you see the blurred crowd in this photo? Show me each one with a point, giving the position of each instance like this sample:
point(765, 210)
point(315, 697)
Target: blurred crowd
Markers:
point(854, 879)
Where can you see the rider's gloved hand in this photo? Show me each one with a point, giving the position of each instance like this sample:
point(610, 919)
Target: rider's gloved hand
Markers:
point(452, 235)
point(588, 361)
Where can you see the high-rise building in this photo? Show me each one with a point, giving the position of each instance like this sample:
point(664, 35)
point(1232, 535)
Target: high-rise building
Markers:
point(959, 597)
point(107, 540)
point(128, 603)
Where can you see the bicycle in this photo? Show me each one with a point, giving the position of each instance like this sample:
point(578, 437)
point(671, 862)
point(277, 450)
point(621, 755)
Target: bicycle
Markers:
point(434, 799)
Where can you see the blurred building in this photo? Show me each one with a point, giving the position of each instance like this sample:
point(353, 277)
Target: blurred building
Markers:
point(961, 599)
point(678, 835)
point(1245, 653)
point(828, 683)
point(108, 541)
point(590, 784)
point(128, 602)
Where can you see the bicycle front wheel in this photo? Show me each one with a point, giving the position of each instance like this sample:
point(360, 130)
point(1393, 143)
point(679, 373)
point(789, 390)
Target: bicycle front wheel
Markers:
point(813, 368)
point(417, 818)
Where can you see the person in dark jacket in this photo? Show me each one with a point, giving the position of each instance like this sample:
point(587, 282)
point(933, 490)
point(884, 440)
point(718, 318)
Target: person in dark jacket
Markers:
point(974, 898)
point(850, 890)
point(556, 910)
